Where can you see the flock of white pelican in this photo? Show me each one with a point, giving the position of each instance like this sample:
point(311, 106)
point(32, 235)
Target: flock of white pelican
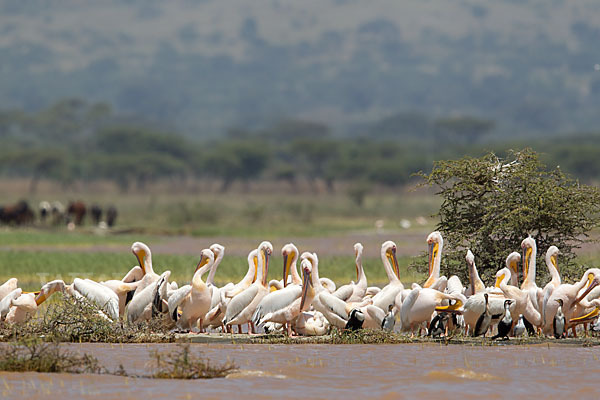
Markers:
point(303, 303)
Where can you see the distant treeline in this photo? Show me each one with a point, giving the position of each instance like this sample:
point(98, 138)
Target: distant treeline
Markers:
point(74, 140)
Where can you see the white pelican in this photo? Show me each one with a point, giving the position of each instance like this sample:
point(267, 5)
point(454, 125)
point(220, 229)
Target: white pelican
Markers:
point(193, 300)
point(427, 302)
point(123, 290)
point(101, 296)
point(529, 272)
point(475, 304)
point(387, 295)
point(476, 285)
point(284, 306)
point(311, 323)
point(214, 317)
point(141, 307)
point(354, 292)
point(290, 270)
point(242, 306)
point(333, 309)
point(523, 304)
point(555, 282)
point(144, 256)
point(22, 308)
point(569, 295)
point(435, 244)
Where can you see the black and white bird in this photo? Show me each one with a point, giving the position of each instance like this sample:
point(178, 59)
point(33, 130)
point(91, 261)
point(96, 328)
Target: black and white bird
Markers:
point(355, 320)
point(596, 326)
point(559, 321)
point(388, 322)
point(505, 323)
point(484, 320)
point(437, 327)
point(519, 327)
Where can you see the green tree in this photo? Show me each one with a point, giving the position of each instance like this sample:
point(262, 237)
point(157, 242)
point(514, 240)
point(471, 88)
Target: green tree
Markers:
point(490, 204)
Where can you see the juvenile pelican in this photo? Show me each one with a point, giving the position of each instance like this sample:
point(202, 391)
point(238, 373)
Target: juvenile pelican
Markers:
point(242, 306)
point(193, 300)
point(354, 292)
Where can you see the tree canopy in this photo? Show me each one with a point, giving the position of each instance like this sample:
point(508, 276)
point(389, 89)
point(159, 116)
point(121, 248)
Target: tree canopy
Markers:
point(490, 204)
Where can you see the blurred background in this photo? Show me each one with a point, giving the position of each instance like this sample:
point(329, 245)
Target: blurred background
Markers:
point(286, 119)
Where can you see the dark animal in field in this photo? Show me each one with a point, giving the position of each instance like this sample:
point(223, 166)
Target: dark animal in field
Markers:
point(111, 216)
point(17, 214)
point(96, 212)
point(76, 212)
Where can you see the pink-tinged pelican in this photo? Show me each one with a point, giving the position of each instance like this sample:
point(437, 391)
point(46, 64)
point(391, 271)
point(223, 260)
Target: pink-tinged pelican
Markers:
point(570, 295)
point(240, 309)
point(529, 272)
point(290, 270)
point(354, 292)
point(214, 317)
point(285, 305)
point(193, 300)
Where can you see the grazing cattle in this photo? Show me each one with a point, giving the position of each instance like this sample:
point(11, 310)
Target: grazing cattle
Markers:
point(17, 214)
point(45, 210)
point(96, 212)
point(111, 216)
point(76, 212)
point(58, 213)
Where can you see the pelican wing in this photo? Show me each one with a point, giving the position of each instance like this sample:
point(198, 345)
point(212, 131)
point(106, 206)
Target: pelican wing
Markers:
point(99, 295)
point(8, 286)
point(176, 298)
point(547, 293)
point(387, 296)
point(334, 304)
point(7, 301)
point(344, 292)
point(407, 304)
point(455, 285)
point(376, 313)
point(240, 302)
point(135, 274)
point(275, 301)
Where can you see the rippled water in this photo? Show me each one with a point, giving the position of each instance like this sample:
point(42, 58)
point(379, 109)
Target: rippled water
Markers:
point(336, 371)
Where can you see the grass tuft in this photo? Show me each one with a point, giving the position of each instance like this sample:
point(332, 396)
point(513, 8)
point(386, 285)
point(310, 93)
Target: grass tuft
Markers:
point(181, 364)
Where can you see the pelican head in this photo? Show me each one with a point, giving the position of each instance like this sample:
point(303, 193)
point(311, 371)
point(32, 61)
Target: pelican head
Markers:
point(47, 290)
point(306, 280)
point(593, 279)
point(217, 249)
point(502, 276)
point(290, 255)
point(206, 257)
point(512, 262)
point(143, 254)
point(388, 250)
point(551, 256)
point(470, 257)
point(434, 243)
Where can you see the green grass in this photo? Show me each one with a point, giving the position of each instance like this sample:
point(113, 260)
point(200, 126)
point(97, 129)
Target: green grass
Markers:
point(61, 237)
point(36, 268)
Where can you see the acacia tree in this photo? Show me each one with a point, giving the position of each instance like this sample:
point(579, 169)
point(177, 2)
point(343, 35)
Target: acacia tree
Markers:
point(491, 204)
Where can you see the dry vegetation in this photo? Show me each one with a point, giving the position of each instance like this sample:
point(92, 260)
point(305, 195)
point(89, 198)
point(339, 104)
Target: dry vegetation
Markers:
point(182, 364)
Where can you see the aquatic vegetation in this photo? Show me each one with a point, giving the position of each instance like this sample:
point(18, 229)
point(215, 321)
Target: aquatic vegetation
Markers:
point(182, 364)
point(67, 320)
point(34, 355)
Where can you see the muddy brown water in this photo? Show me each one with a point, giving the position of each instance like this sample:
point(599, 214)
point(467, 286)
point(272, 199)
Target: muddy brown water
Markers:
point(334, 371)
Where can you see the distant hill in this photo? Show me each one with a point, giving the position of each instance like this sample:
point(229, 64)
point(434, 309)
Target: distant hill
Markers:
point(531, 66)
